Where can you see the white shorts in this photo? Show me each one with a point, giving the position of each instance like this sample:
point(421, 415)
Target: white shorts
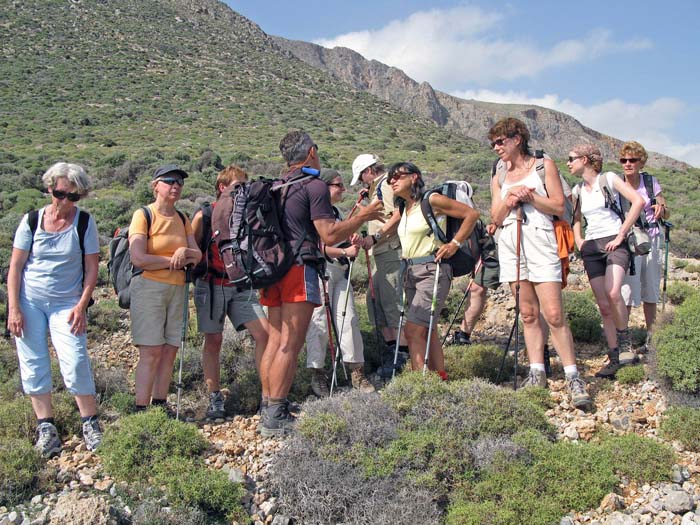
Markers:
point(539, 258)
point(645, 285)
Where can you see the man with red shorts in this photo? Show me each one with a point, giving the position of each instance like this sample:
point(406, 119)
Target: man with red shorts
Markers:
point(308, 215)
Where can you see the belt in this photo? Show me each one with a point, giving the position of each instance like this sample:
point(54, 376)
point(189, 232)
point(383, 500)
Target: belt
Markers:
point(418, 260)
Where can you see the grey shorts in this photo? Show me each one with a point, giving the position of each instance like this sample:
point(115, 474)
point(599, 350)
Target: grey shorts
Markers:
point(488, 278)
point(215, 303)
point(596, 259)
point(419, 282)
point(387, 289)
point(156, 312)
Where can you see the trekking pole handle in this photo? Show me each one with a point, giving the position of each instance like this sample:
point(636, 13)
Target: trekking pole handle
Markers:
point(188, 272)
point(363, 195)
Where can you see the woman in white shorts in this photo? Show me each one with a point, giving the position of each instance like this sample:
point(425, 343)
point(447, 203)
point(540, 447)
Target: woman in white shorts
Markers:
point(540, 266)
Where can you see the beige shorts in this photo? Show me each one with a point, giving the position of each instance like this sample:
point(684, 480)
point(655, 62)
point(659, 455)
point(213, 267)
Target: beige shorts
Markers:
point(645, 285)
point(420, 279)
point(539, 259)
point(156, 312)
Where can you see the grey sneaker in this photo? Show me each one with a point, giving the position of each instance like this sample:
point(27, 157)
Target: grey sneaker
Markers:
point(535, 378)
point(359, 381)
point(624, 344)
point(277, 421)
point(216, 408)
point(92, 434)
point(48, 444)
point(612, 366)
point(319, 383)
point(577, 389)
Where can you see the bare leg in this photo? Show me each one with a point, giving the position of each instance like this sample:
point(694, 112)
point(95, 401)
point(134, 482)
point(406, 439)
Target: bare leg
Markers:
point(258, 329)
point(211, 363)
point(149, 357)
point(649, 315)
point(87, 405)
point(416, 335)
point(530, 315)
point(41, 403)
point(550, 299)
point(601, 297)
point(477, 303)
point(164, 372)
point(614, 277)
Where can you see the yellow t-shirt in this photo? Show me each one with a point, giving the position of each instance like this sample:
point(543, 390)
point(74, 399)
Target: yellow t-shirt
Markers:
point(416, 236)
point(167, 235)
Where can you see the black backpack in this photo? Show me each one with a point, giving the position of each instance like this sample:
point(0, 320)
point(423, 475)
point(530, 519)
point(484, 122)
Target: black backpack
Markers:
point(248, 229)
point(119, 265)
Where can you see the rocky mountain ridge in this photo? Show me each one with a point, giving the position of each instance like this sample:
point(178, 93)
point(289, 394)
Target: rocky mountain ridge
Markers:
point(552, 130)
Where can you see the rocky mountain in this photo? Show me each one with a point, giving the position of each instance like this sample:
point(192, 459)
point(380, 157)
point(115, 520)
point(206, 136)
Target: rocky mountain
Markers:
point(552, 130)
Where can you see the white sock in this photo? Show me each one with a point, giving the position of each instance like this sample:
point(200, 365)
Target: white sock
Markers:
point(537, 366)
point(571, 371)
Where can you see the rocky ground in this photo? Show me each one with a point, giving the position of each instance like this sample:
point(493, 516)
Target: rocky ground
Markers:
point(86, 495)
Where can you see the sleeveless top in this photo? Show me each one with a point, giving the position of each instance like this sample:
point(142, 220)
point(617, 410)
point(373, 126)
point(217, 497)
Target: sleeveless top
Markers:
point(417, 239)
point(532, 215)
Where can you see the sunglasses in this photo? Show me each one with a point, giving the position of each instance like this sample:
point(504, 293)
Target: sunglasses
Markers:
point(571, 159)
point(625, 161)
point(60, 195)
point(498, 142)
point(398, 175)
point(337, 185)
point(172, 180)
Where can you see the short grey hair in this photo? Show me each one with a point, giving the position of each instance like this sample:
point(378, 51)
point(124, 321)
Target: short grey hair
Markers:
point(295, 146)
point(74, 173)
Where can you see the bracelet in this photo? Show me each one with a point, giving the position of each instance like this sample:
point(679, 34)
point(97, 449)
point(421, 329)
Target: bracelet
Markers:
point(456, 242)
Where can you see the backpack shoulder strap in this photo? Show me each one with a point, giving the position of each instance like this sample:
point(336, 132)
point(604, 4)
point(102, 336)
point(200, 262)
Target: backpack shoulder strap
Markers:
point(429, 216)
point(83, 223)
point(147, 213)
point(502, 171)
point(649, 185)
point(33, 222)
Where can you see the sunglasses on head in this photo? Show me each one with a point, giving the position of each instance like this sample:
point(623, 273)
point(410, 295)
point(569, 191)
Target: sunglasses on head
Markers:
point(60, 195)
point(172, 180)
point(625, 161)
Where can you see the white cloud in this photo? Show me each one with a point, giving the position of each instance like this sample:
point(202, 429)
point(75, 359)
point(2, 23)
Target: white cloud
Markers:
point(650, 124)
point(459, 46)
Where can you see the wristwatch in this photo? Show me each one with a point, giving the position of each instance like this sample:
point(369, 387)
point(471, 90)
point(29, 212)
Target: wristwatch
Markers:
point(456, 242)
point(377, 236)
point(345, 254)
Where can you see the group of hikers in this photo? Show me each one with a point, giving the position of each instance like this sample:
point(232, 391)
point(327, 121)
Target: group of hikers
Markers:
point(53, 272)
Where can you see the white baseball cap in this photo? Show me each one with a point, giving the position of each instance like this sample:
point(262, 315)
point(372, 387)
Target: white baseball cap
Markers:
point(360, 164)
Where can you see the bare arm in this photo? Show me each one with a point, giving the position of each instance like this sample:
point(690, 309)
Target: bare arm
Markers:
point(553, 202)
point(197, 226)
point(445, 206)
point(660, 209)
point(332, 232)
point(499, 207)
point(392, 225)
point(15, 319)
point(578, 229)
point(138, 246)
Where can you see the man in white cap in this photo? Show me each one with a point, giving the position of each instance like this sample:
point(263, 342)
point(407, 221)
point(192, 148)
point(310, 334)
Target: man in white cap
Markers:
point(383, 244)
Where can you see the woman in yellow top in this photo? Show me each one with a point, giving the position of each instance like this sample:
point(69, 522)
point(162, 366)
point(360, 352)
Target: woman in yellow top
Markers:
point(157, 294)
point(421, 253)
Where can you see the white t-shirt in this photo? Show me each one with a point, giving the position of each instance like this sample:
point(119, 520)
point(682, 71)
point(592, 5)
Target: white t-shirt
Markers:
point(601, 221)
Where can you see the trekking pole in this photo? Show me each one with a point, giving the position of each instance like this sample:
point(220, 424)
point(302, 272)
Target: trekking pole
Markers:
point(363, 195)
point(332, 332)
point(342, 327)
point(404, 271)
point(461, 303)
point(185, 323)
point(372, 298)
point(433, 305)
point(516, 328)
point(667, 227)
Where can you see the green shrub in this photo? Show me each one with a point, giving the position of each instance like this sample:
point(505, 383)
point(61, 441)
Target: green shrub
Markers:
point(628, 375)
point(105, 316)
point(65, 411)
point(17, 419)
point(683, 424)
point(680, 263)
point(693, 268)
point(678, 347)
point(679, 291)
point(188, 483)
point(583, 316)
point(122, 402)
point(476, 360)
point(133, 446)
point(19, 467)
point(151, 512)
point(639, 458)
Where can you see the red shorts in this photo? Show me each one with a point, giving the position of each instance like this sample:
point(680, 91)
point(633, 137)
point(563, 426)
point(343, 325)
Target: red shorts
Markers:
point(299, 285)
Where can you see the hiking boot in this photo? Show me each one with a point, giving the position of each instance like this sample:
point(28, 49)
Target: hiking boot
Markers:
point(48, 444)
point(461, 338)
point(547, 362)
point(319, 383)
point(92, 434)
point(577, 390)
point(216, 408)
point(277, 421)
point(535, 378)
point(359, 381)
point(624, 344)
point(612, 366)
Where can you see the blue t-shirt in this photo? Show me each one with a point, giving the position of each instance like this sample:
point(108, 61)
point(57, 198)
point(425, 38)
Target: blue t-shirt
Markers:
point(54, 268)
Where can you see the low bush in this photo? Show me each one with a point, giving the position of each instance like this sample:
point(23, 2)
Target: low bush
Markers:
point(151, 512)
point(19, 467)
point(639, 458)
point(122, 402)
point(132, 447)
point(105, 317)
point(678, 347)
point(476, 360)
point(693, 268)
point(683, 424)
point(628, 375)
point(109, 382)
point(679, 291)
point(17, 419)
point(583, 316)
point(66, 414)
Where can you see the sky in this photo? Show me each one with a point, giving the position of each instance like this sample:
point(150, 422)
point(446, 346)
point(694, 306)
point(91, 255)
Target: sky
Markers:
point(630, 69)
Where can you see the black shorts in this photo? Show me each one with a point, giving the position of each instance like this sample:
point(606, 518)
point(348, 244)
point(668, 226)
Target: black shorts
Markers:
point(596, 259)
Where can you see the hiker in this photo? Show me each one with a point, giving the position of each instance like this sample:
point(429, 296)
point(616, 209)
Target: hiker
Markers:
point(215, 298)
point(338, 259)
point(540, 272)
point(162, 251)
point(421, 253)
point(604, 250)
point(384, 246)
point(644, 287)
point(308, 217)
point(482, 281)
point(53, 272)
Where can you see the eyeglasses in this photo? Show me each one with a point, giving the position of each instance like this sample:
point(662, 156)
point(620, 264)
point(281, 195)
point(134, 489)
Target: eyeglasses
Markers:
point(498, 142)
point(172, 180)
point(571, 159)
point(60, 195)
point(397, 175)
point(625, 161)
point(337, 185)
